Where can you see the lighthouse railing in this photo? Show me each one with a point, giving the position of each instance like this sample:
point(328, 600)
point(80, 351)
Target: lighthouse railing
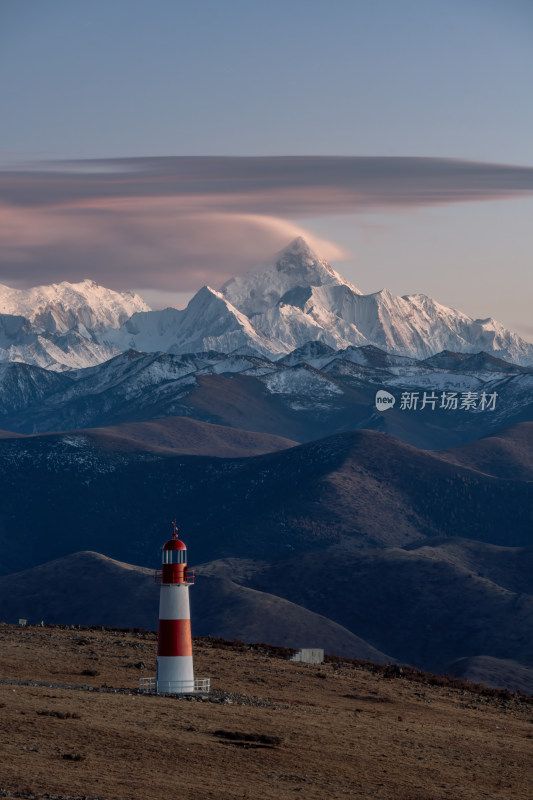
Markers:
point(152, 685)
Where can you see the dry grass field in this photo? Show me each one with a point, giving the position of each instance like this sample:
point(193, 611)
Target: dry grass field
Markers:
point(271, 729)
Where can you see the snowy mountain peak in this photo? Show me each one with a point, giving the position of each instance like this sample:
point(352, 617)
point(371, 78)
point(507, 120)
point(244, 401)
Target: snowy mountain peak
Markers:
point(294, 266)
point(209, 322)
point(206, 293)
point(62, 306)
point(429, 305)
point(297, 250)
point(304, 268)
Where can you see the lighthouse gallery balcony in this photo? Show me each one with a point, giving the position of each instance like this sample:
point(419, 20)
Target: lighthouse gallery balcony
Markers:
point(186, 577)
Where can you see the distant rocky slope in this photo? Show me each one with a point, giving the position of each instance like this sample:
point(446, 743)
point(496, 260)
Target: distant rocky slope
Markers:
point(312, 392)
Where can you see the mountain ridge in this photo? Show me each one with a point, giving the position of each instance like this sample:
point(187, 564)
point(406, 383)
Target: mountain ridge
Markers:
point(170, 436)
point(310, 393)
point(61, 306)
point(299, 298)
point(274, 309)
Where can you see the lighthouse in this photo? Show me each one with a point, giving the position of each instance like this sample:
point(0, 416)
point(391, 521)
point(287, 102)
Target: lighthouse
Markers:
point(174, 671)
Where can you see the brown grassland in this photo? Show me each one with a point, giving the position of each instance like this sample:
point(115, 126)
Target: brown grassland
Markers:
point(271, 729)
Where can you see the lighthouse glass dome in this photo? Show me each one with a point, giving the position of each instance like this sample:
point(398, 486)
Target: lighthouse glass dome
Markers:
point(174, 552)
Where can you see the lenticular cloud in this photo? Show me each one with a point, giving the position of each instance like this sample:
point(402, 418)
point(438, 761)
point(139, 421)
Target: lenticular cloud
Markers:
point(163, 222)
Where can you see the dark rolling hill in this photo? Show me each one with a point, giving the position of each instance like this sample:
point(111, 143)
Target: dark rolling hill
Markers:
point(494, 672)
point(425, 556)
point(90, 589)
point(356, 490)
point(420, 605)
point(168, 436)
point(424, 603)
point(506, 454)
point(243, 401)
point(183, 435)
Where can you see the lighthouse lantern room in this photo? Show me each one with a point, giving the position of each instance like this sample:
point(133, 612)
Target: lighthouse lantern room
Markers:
point(174, 672)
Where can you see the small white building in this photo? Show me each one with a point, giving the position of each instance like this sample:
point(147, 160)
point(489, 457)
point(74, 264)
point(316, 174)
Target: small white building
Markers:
point(309, 656)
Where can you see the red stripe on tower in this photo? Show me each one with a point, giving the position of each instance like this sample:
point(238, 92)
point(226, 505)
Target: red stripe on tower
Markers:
point(174, 637)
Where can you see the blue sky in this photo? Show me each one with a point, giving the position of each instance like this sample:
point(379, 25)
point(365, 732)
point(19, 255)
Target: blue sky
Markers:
point(418, 78)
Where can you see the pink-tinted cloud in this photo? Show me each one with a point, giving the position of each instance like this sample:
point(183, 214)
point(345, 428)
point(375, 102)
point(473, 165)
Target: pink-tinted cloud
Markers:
point(176, 223)
point(143, 244)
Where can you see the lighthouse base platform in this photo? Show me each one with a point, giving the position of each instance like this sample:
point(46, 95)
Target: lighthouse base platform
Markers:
point(194, 686)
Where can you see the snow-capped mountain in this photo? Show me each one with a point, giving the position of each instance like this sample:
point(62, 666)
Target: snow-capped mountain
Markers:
point(56, 327)
point(296, 266)
point(210, 322)
point(298, 298)
point(22, 342)
point(62, 306)
point(272, 311)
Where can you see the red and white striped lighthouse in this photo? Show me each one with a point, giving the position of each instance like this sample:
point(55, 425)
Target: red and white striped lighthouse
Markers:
point(174, 673)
